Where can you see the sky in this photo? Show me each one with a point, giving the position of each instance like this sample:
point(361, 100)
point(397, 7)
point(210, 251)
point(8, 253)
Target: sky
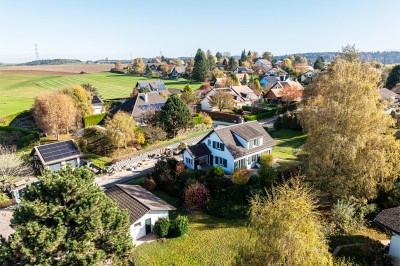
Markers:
point(91, 30)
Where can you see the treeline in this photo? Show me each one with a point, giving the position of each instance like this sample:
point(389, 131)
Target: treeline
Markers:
point(390, 57)
point(50, 62)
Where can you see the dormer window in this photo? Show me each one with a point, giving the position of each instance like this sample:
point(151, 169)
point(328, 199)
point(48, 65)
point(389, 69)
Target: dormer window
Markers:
point(254, 143)
point(218, 145)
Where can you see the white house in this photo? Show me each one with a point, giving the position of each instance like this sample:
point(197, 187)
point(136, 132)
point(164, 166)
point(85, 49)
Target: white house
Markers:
point(307, 76)
point(97, 105)
point(231, 147)
point(144, 208)
point(242, 96)
point(390, 219)
point(263, 63)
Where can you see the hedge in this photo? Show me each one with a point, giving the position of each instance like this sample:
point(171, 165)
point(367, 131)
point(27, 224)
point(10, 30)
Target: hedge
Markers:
point(92, 120)
point(29, 138)
point(267, 114)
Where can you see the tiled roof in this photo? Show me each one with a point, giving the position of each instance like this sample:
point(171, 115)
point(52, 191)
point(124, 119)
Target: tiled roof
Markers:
point(386, 94)
point(264, 61)
point(96, 100)
point(180, 69)
point(389, 218)
point(198, 150)
point(248, 129)
point(137, 200)
point(396, 89)
point(138, 104)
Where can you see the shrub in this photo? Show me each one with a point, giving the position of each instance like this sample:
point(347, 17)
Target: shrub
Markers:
point(153, 134)
point(162, 174)
point(96, 141)
point(346, 216)
point(92, 120)
point(180, 226)
point(240, 176)
point(207, 120)
point(215, 171)
point(287, 120)
point(3, 198)
point(267, 159)
point(196, 197)
point(266, 176)
point(149, 184)
point(226, 209)
point(197, 120)
point(179, 168)
point(161, 227)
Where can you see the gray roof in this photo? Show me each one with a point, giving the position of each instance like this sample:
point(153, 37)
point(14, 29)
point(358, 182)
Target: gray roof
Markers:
point(137, 200)
point(389, 218)
point(198, 150)
point(264, 61)
point(151, 85)
point(96, 100)
point(57, 152)
point(180, 69)
point(387, 94)
point(138, 104)
point(248, 130)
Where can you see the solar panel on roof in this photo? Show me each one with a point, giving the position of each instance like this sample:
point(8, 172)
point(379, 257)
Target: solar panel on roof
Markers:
point(161, 86)
point(58, 151)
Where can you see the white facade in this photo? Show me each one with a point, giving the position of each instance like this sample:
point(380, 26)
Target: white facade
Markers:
point(138, 228)
point(307, 75)
point(394, 249)
point(206, 105)
point(97, 109)
point(221, 152)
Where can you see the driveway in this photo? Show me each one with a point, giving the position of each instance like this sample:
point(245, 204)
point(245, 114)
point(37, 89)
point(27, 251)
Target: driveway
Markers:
point(5, 218)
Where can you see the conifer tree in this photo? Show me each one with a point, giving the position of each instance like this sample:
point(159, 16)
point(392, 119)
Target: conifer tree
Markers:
point(200, 68)
point(175, 115)
point(66, 219)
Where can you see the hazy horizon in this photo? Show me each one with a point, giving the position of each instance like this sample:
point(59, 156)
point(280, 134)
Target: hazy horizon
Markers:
point(89, 30)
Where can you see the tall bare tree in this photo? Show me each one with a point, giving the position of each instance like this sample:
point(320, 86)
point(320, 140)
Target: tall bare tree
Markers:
point(222, 100)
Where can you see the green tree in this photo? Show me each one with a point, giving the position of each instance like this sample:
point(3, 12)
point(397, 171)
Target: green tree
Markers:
point(268, 56)
point(200, 68)
point(346, 154)
point(218, 55)
point(189, 68)
point(211, 61)
point(394, 77)
point(188, 96)
point(243, 56)
point(233, 64)
point(174, 116)
point(66, 219)
point(285, 229)
point(350, 53)
point(121, 129)
point(319, 63)
point(138, 66)
point(148, 72)
point(234, 78)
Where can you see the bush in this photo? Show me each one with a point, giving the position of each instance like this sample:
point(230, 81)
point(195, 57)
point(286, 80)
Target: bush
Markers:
point(96, 141)
point(287, 120)
point(149, 184)
point(267, 160)
point(266, 176)
point(197, 120)
point(92, 120)
point(196, 197)
point(240, 176)
point(179, 168)
point(153, 134)
point(226, 209)
point(267, 114)
point(215, 171)
point(179, 226)
point(161, 227)
point(3, 198)
point(346, 216)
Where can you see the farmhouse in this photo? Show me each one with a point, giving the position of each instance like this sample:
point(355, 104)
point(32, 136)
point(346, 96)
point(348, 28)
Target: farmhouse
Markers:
point(143, 206)
point(142, 103)
point(283, 91)
point(231, 147)
point(97, 105)
point(55, 156)
point(390, 219)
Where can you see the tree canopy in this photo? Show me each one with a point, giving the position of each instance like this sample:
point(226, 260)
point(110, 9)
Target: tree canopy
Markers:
point(175, 115)
point(268, 56)
point(350, 147)
point(200, 69)
point(319, 63)
point(285, 229)
point(67, 220)
point(394, 77)
point(121, 129)
point(138, 66)
point(82, 100)
point(222, 100)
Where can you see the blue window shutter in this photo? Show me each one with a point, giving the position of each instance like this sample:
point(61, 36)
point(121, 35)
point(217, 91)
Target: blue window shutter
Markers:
point(213, 144)
point(222, 146)
point(225, 163)
point(216, 159)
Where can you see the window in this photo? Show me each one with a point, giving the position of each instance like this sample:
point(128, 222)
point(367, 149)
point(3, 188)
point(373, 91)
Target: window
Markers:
point(251, 143)
point(189, 160)
point(218, 145)
point(209, 142)
point(137, 224)
point(221, 161)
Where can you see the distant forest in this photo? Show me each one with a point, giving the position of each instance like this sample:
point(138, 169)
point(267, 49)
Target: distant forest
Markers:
point(390, 57)
point(51, 62)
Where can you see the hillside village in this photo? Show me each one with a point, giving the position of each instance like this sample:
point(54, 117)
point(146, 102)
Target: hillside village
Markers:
point(248, 150)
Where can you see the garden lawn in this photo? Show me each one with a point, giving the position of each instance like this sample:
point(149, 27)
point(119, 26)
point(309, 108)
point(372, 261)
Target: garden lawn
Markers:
point(17, 91)
point(287, 143)
point(210, 241)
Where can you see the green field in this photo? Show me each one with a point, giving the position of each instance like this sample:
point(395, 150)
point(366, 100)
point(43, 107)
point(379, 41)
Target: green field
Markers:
point(17, 91)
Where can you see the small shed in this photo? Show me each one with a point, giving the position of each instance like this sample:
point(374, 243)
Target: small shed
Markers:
point(57, 155)
point(390, 219)
point(144, 207)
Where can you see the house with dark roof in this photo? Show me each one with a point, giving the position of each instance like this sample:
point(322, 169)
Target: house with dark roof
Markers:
point(277, 93)
point(97, 105)
point(178, 71)
point(57, 155)
point(390, 219)
point(230, 147)
point(142, 103)
point(150, 86)
point(144, 207)
point(242, 70)
point(277, 72)
point(242, 95)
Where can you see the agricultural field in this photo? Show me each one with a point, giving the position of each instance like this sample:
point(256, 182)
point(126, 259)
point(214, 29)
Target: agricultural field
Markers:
point(55, 70)
point(17, 91)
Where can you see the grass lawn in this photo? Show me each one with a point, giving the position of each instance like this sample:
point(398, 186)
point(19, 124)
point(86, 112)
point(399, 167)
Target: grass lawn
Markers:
point(287, 143)
point(210, 241)
point(17, 91)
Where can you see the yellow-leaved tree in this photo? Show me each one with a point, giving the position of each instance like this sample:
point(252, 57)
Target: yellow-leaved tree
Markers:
point(82, 100)
point(351, 149)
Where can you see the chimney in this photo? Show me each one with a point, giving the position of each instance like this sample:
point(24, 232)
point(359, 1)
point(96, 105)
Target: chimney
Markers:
point(146, 97)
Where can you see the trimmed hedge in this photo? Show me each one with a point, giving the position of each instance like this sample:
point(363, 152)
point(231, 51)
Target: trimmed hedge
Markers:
point(161, 227)
point(92, 120)
point(198, 120)
point(267, 114)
